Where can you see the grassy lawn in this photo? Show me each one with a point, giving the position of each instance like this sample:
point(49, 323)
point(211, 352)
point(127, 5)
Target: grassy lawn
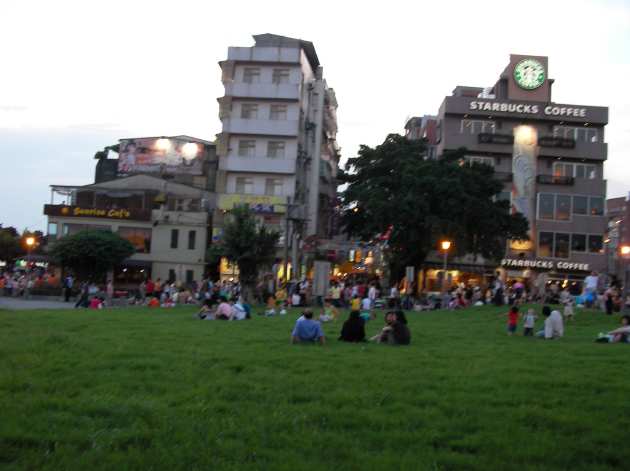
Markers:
point(156, 389)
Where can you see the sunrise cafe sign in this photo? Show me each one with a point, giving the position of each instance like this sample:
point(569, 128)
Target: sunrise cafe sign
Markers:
point(104, 213)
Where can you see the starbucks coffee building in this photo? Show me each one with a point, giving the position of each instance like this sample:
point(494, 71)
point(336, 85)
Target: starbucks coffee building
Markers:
point(550, 157)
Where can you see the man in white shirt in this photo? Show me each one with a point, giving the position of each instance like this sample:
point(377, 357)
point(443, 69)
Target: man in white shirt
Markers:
point(554, 327)
point(372, 295)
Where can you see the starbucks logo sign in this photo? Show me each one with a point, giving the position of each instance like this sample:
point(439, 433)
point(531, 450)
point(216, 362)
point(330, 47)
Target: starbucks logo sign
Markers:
point(529, 74)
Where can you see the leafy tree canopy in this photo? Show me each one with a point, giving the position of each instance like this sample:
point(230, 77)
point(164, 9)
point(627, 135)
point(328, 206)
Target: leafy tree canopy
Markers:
point(250, 245)
point(90, 254)
point(426, 201)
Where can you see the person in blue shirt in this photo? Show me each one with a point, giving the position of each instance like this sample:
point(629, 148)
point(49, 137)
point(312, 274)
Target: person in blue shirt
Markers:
point(307, 330)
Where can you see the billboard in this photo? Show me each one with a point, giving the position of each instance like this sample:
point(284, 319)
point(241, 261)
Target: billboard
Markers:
point(160, 155)
point(524, 181)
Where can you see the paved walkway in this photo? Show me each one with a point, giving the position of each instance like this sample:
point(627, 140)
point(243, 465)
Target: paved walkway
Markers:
point(15, 304)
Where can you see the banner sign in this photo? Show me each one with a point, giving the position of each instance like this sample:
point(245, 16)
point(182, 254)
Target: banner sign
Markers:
point(257, 203)
point(99, 213)
point(160, 155)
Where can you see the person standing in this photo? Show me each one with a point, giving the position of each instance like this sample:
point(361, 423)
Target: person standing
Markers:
point(142, 291)
point(372, 295)
point(512, 320)
point(67, 287)
point(110, 293)
point(83, 295)
point(157, 289)
point(530, 322)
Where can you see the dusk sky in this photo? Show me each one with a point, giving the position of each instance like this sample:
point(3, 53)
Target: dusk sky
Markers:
point(77, 76)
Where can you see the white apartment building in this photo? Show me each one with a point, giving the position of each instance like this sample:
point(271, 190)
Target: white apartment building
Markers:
point(277, 149)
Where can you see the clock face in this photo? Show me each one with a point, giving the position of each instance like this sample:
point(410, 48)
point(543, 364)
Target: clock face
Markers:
point(529, 74)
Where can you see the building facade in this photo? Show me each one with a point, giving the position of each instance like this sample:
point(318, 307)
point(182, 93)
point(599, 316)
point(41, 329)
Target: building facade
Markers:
point(277, 150)
point(158, 194)
point(551, 158)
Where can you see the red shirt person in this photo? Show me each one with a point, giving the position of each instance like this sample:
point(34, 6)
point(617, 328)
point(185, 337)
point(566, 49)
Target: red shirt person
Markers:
point(512, 320)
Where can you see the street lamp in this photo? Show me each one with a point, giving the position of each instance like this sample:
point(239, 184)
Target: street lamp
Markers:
point(30, 241)
point(624, 250)
point(445, 245)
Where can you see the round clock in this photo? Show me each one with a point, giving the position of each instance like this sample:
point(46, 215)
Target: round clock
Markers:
point(529, 74)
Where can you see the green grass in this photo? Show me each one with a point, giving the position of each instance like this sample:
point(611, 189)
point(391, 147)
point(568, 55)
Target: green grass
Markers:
point(156, 389)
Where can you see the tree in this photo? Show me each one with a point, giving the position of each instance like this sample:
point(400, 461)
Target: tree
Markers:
point(10, 244)
point(91, 253)
point(248, 244)
point(423, 201)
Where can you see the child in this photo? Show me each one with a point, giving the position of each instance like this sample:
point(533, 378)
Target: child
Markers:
point(329, 313)
point(512, 320)
point(355, 304)
point(528, 325)
point(568, 302)
point(271, 306)
point(366, 309)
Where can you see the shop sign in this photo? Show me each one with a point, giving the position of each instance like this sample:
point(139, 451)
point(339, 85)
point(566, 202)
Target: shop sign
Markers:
point(258, 204)
point(114, 213)
point(544, 264)
point(524, 108)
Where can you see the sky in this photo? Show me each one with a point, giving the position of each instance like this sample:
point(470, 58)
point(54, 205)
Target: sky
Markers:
point(76, 76)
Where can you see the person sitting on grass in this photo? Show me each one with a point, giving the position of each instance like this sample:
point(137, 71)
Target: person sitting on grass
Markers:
point(225, 312)
point(353, 329)
point(96, 303)
point(622, 334)
point(554, 327)
point(307, 330)
point(206, 312)
point(395, 331)
point(329, 313)
point(512, 320)
point(153, 302)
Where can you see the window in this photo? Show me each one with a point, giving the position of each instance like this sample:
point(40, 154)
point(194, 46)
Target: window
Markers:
point(275, 149)
point(273, 187)
point(545, 206)
point(574, 170)
point(580, 205)
point(584, 134)
point(249, 111)
point(246, 148)
point(174, 238)
point(585, 171)
point(251, 75)
point(190, 277)
point(595, 244)
point(562, 170)
point(596, 204)
point(475, 126)
point(578, 243)
point(545, 243)
point(476, 159)
point(561, 245)
point(563, 207)
point(52, 229)
point(192, 235)
point(171, 276)
point(280, 76)
point(139, 237)
point(278, 112)
point(244, 185)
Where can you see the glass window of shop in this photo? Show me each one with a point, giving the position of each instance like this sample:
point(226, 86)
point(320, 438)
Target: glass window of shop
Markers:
point(545, 206)
point(52, 230)
point(596, 204)
point(545, 244)
point(71, 229)
point(578, 242)
point(580, 205)
point(139, 237)
point(595, 244)
point(561, 245)
point(563, 207)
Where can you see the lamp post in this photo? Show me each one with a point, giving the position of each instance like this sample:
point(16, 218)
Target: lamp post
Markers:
point(445, 246)
point(624, 250)
point(30, 241)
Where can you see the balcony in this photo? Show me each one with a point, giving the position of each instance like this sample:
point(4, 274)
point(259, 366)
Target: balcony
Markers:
point(261, 126)
point(257, 165)
point(505, 177)
point(282, 91)
point(554, 180)
point(264, 54)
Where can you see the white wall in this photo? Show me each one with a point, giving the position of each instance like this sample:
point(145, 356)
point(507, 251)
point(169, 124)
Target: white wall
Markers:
point(290, 147)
